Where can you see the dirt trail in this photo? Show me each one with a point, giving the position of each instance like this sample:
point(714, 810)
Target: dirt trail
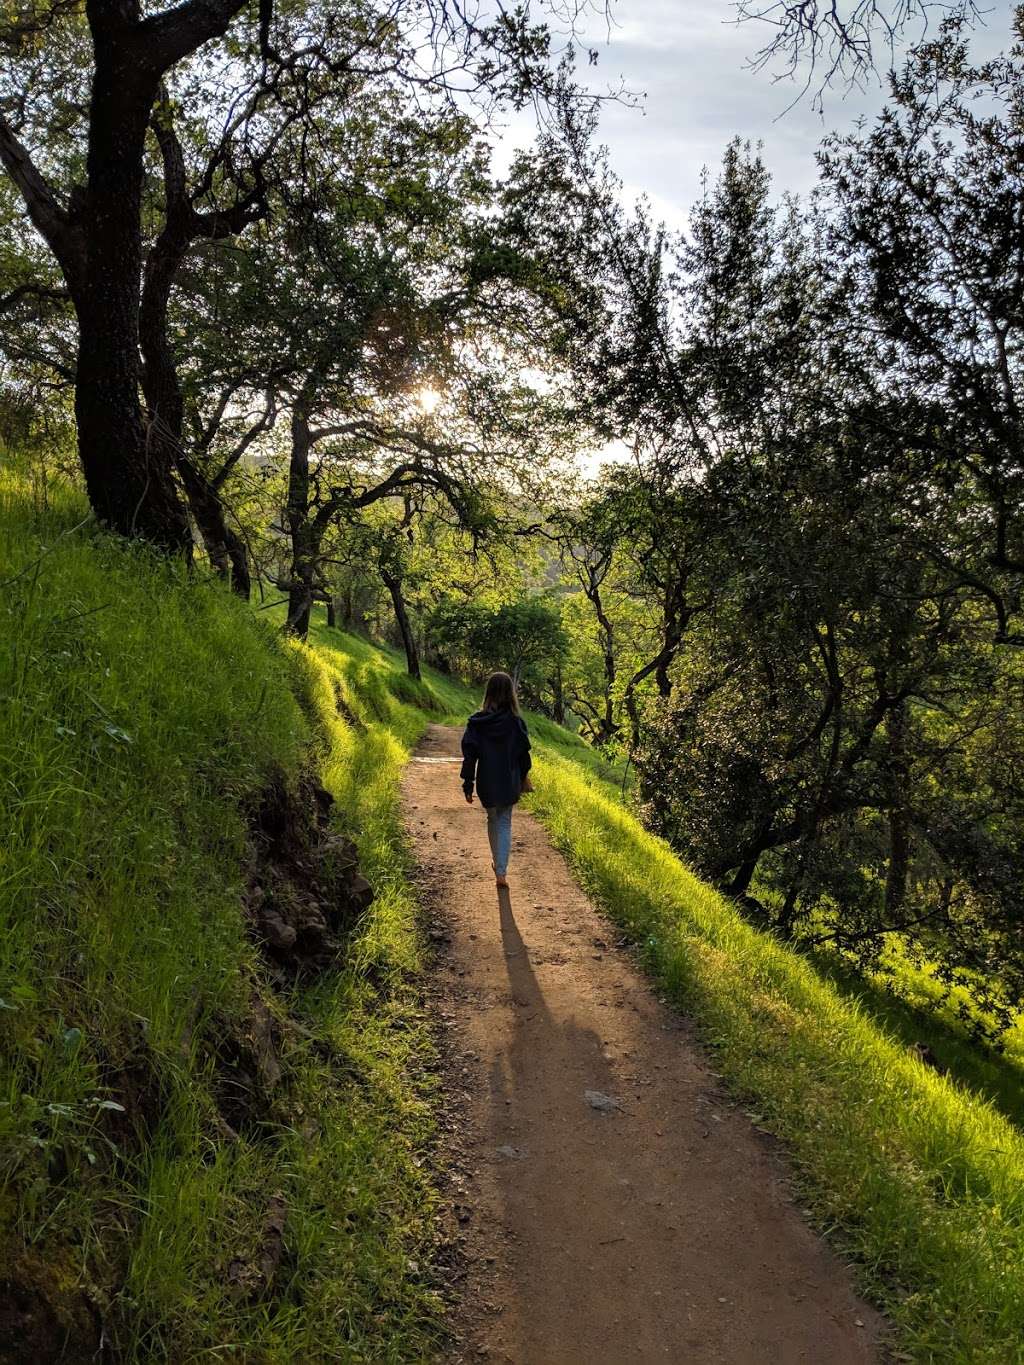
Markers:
point(661, 1231)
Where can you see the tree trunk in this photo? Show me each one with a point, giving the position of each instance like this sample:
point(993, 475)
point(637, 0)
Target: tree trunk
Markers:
point(226, 550)
point(300, 606)
point(412, 656)
point(129, 477)
point(746, 861)
point(899, 825)
point(606, 728)
point(787, 915)
point(331, 614)
point(558, 696)
point(629, 701)
point(661, 678)
point(97, 239)
point(659, 666)
point(300, 583)
point(129, 481)
point(744, 875)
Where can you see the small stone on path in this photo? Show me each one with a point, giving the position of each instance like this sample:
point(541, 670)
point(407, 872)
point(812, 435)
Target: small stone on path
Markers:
point(605, 1104)
point(511, 1153)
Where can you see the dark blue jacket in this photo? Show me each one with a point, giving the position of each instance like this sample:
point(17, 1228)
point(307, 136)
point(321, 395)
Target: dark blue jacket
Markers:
point(496, 752)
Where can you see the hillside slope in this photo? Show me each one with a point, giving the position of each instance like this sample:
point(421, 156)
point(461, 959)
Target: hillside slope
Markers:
point(213, 1087)
point(918, 1177)
point(210, 1141)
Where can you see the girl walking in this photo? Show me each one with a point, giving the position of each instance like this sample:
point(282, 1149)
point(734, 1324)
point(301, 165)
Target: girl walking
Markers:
point(496, 755)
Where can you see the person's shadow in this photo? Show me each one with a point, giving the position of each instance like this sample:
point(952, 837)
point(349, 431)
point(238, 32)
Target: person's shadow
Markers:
point(548, 1037)
point(526, 990)
point(561, 1168)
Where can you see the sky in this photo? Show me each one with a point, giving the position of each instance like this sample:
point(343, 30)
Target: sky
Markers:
point(691, 62)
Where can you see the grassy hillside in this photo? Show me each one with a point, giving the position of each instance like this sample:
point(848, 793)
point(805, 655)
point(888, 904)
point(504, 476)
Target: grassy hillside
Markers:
point(918, 1177)
point(198, 1154)
point(203, 1154)
point(909, 1003)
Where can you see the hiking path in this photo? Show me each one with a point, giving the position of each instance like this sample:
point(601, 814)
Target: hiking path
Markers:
point(612, 1203)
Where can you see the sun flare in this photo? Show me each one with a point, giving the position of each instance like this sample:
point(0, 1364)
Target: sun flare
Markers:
point(427, 400)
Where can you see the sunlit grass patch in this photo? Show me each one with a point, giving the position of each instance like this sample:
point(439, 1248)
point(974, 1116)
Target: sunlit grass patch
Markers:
point(920, 1180)
point(144, 712)
point(907, 1005)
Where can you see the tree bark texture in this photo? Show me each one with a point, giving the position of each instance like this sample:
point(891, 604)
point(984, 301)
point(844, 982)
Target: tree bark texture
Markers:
point(899, 823)
point(166, 411)
point(300, 526)
point(97, 241)
point(412, 657)
point(129, 476)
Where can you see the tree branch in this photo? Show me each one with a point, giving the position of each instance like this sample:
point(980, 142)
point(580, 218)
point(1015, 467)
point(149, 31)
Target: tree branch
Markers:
point(164, 39)
point(31, 290)
point(48, 216)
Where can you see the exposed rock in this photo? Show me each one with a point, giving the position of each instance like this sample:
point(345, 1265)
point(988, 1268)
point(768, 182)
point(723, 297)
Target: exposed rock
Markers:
point(305, 889)
point(279, 936)
point(42, 1317)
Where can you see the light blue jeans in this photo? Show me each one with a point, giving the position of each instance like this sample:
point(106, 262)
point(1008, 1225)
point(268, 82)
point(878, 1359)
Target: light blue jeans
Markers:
point(499, 832)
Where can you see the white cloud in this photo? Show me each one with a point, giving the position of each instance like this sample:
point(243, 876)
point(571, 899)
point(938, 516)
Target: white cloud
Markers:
point(691, 60)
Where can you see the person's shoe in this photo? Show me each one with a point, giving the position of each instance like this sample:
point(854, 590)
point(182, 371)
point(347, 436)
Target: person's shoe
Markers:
point(500, 881)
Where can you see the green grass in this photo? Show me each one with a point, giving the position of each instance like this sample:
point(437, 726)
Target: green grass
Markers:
point(907, 996)
point(920, 1180)
point(911, 1008)
point(143, 713)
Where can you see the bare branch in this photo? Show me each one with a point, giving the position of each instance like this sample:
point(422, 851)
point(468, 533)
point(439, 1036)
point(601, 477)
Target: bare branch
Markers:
point(838, 40)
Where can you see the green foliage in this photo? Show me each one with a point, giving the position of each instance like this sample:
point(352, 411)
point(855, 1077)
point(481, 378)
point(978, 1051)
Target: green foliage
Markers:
point(523, 637)
point(821, 526)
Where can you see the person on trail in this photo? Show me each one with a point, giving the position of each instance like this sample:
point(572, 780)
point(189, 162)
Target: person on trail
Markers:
point(496, 755)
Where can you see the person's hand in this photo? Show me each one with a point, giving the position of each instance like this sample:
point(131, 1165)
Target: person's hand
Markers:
point(527, 785)
point(469, 797)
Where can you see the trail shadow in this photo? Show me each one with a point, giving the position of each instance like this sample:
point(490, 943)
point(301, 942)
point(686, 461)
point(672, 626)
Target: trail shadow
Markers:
point(581, 1063)
point(560, 1174)
point(525, 986)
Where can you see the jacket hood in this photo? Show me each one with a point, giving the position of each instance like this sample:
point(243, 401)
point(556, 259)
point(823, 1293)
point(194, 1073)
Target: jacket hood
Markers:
point(495, 724)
